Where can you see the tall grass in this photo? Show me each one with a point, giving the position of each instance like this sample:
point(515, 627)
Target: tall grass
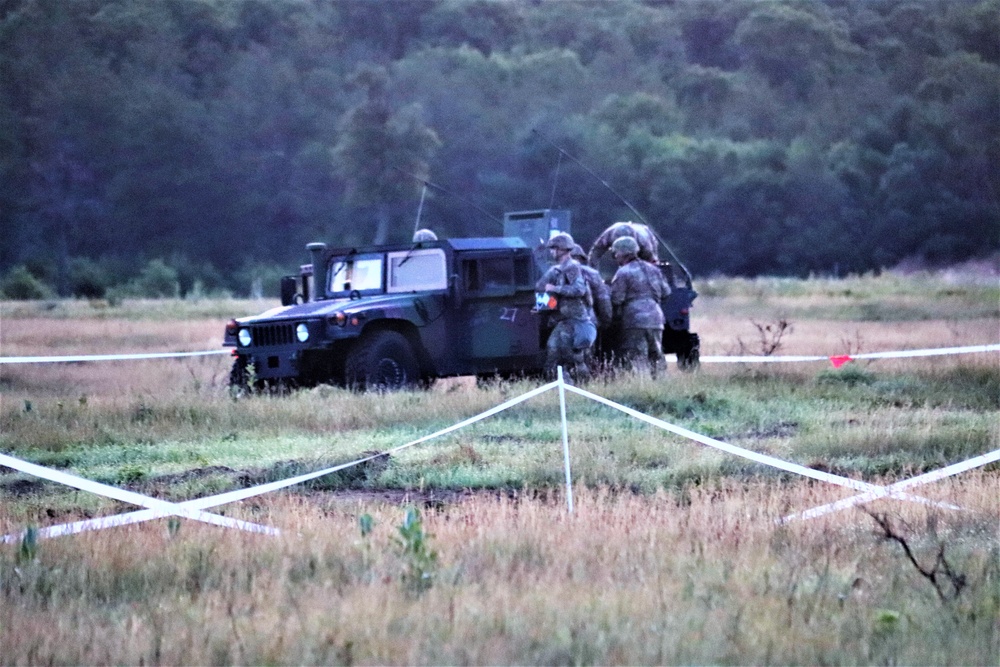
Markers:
point(671, 556)
point(705, 577)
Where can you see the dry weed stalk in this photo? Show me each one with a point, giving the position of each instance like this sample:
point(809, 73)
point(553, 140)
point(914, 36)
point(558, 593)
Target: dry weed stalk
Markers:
point(948, 583)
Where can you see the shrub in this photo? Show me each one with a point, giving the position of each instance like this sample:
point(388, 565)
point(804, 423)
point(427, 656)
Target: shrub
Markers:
point(196, 279)
point(89, 279)
point(157, 280)
point(21, 285)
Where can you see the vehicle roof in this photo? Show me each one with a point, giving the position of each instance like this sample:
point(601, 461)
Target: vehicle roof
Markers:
point(485, 243)
point(458, 244)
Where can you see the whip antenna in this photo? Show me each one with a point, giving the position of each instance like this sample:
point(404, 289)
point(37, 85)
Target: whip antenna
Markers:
point(638, 215)
point(420, 208)
point(449, 192)
point(555, 183)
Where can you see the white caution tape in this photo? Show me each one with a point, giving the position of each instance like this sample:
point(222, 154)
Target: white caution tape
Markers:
point(708, 359)
point(888, 491)
point(838, 360)
point(158, 507)
point(754, 456)
point(968, 349)
point(190, 506)
point(107, 357)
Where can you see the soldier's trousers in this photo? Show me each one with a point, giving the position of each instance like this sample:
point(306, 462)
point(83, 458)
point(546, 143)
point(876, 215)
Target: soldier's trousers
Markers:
point(564, 349)
point(643, 350)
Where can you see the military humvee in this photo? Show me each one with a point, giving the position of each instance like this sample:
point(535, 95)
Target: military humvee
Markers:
point(393, 316)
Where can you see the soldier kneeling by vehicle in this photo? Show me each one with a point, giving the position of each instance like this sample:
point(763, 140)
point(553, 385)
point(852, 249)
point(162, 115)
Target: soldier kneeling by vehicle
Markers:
point(637, 290)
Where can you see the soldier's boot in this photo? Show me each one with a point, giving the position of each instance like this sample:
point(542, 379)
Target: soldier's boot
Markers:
point(581, 371)
point(657, 367)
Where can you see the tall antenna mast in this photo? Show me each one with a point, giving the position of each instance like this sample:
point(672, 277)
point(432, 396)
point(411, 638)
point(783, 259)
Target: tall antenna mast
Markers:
point(641, 218)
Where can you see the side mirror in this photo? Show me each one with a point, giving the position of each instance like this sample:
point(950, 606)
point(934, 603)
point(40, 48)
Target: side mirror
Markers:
point(289, 289)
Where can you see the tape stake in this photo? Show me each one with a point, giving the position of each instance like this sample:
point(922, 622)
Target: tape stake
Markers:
point(565, 438)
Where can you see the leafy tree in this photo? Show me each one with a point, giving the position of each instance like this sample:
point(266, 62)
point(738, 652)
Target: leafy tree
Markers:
point(845, 133)
point(382, 155)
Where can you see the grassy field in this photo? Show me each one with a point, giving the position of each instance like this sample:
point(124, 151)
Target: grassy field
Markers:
point(461, 549)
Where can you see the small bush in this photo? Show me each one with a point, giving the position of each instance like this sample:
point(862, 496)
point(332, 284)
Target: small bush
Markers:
point(19, 284)
point(196, 280)
point(88, 278)
point(156, 281)
point(851, 376)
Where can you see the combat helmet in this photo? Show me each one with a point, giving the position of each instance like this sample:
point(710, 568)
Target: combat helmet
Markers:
point(561, 241)
point(423, 235)
point(578, 254)
point(626, 245)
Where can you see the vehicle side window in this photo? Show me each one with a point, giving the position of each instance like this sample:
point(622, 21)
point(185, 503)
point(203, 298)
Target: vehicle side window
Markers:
point(522, 273)
point(496, 272)
point(417, 270)
point(470, 275)
point(490, 275)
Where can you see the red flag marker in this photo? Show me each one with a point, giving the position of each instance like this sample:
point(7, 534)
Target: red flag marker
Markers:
point(840, 360)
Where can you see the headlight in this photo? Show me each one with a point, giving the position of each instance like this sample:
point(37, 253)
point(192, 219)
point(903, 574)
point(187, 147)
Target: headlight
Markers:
point(245, 338)
point(302, 332)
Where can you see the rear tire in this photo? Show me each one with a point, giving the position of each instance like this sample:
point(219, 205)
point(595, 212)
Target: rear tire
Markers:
point(382, 361)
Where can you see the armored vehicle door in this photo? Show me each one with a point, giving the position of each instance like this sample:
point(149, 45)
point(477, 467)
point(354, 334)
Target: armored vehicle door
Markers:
point(496, 330)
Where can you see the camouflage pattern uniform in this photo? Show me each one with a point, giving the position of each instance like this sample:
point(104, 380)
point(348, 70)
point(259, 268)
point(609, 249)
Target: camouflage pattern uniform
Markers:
point(574, 333)
point(642, 234)
point(600, 312)
point(637, 290)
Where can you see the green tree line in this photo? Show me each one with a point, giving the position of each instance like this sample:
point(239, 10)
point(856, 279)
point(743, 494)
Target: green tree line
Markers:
point(217, 137)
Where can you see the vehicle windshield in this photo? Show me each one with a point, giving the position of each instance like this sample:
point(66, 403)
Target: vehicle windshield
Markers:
point(361, 273)
point(408, 271)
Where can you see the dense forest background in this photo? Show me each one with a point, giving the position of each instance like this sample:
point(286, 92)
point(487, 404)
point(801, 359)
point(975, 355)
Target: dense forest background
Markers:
point(199, 144)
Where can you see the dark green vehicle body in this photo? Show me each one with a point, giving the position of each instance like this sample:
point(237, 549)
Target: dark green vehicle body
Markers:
point(399, 315)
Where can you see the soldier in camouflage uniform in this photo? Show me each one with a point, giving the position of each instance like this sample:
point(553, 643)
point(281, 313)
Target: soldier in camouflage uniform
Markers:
point(574, 333)
point(601, 311)
point(637, 290)
point(642, 234)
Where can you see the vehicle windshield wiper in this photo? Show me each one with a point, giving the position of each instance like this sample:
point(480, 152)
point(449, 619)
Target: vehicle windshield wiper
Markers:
point(343, 265)
point(409, 253)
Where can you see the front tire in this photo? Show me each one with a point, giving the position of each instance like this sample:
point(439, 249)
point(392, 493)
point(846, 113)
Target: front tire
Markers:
point(382, 361)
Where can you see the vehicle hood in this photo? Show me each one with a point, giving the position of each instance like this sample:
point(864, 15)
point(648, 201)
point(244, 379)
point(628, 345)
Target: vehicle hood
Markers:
point(322, 309)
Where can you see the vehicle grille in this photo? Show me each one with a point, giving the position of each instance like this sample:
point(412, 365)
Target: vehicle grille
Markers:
point(267, 335)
